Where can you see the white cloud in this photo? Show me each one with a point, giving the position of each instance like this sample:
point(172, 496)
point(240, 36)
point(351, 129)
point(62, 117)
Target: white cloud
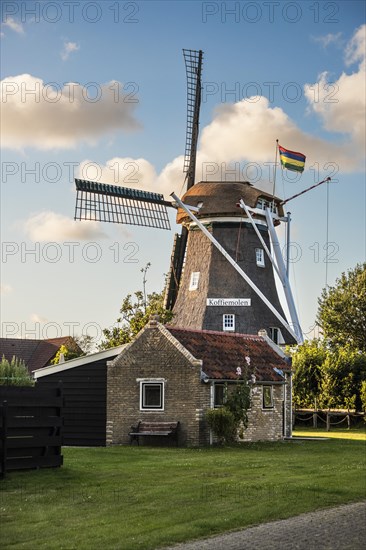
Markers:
point(35, 318)
point(5, 289)
point(13, 25)
point(136, 173)
point(45, 116)
point(341, 104)
point(328, 39)
point(356, 48)
point(68, 48)
point(247, 132)
point(243, 132)
point(127, 172)
point(52, 227)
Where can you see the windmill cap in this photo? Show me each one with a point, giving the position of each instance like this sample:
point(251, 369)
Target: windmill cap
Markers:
point(220, 198)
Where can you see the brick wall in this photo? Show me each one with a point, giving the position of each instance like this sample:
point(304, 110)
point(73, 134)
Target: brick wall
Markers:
point(265, 424)
point(155, 354)
point(288, 405)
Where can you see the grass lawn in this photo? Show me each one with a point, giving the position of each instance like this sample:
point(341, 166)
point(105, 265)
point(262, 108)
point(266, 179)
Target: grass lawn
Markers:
point(148, 497)
point(357, 434)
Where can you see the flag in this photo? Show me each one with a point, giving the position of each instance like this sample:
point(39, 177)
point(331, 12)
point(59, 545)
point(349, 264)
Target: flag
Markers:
point(292, 160)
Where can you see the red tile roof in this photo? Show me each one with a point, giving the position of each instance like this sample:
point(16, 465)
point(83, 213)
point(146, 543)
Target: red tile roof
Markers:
point(35, 353)
point(222, 353)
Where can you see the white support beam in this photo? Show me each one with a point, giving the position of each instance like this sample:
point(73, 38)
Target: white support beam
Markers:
point(284, 279)
point(245, 208)
point(236, 267)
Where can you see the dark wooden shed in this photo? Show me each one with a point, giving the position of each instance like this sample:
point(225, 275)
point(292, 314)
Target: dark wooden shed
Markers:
point(84, 383)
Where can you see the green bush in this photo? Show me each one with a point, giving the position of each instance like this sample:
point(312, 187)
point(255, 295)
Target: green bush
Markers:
point(238, 402)
point(222, 423)
point(14, 373)
point(363, 396)
point(232, 418)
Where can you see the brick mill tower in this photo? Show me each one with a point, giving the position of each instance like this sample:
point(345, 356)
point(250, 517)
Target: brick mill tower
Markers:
point(221, 276)
point(212, 295)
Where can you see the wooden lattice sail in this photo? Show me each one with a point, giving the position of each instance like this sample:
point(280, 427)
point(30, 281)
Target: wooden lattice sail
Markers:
point(112, 203)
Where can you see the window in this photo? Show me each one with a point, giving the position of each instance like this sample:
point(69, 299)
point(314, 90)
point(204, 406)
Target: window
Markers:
point(259, 257)
point(151, 396)
point(275, 335)
point(195, 276)
point(219, 395)
point(263, 203)
point(267, 397)
point(228, 322)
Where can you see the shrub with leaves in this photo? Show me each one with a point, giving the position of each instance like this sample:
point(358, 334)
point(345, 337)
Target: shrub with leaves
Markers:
point(238, 402)
point(232, 417)
point(14, 373)
point(222, 423)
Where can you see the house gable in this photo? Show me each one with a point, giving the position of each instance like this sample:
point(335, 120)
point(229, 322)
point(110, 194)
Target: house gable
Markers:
point(155, 356)
point(144, 341)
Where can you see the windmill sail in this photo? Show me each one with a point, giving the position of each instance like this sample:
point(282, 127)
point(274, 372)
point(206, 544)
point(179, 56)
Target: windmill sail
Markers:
point(111, 203)
point(193, 62)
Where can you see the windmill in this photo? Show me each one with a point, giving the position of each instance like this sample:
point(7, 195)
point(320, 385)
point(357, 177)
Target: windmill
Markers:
point(221, 274)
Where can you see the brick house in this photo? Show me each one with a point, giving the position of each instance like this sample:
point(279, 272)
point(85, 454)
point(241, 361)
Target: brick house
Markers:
point(172, 374)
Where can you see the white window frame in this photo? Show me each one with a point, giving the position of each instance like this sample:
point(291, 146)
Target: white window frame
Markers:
point(225, 325)
point(259, 257)
point(263, 203)
point(264, 406)
point(143, 384)
point(195, 277)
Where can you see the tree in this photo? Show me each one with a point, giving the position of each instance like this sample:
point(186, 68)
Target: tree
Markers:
point(342, 310)
point(68, 353)
point(135, 313)
point(363, 397)
point(85, 342)
point(307, 363)
point(332, 370)
point(14, 373)
point(344, 370)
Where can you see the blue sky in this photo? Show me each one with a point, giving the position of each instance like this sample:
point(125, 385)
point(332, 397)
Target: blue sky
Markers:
point(288, 70)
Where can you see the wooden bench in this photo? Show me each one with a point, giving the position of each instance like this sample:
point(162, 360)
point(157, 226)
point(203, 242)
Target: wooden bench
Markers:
point(161, 429)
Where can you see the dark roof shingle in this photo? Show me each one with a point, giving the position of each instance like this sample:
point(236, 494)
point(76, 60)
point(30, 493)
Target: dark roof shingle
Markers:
point(35, 353)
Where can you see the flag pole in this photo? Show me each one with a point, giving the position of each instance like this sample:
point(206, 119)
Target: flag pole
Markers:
point(274, 176)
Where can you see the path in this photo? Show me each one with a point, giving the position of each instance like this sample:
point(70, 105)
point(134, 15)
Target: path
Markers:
point(341, 528)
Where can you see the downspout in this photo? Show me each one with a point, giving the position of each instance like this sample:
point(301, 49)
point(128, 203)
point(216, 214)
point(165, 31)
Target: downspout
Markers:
point(212, 406)
point(290, 375)
point(285, 409)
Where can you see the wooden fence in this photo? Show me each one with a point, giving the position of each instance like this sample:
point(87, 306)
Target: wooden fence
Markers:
point(319, 418)
point(30, 428)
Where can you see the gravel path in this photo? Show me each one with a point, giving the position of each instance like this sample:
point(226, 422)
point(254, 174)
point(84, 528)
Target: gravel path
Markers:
point(341, 528)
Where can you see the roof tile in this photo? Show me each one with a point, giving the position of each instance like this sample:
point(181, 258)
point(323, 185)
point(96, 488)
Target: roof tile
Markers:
point(222, 353)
